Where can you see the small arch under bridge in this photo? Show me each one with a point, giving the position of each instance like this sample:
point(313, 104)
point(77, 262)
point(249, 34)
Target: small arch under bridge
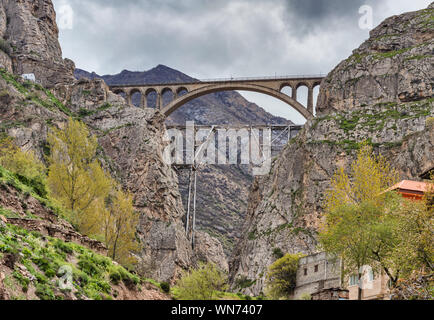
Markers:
point(184, 92)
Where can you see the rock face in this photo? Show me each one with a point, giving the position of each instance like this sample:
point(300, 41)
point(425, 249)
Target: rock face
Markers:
point(394, 65)
point(385, 101)
point(131, 139)
point(29, 29)
point(209, 249)
point(132, 143)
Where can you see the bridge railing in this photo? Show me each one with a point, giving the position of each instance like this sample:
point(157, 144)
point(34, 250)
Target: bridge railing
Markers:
point(276, 77)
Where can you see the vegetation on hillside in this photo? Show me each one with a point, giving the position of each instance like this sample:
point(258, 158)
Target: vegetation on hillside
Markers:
point(89, 198)
point(202, 283)
point(206, 282)
point(366, 225)
point(55, 270)
point(44, 267)
point(96, 203)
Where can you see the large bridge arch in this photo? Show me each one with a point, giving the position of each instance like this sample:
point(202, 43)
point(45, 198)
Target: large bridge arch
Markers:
point(218, 87)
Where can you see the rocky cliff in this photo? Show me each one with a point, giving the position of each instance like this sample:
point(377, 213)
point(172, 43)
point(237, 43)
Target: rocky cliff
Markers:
point(131, 140)
point(29, 34)
point(381, 94)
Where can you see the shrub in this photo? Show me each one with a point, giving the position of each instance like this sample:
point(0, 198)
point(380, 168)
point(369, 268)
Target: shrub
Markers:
point(430, 122)
point(201, 283)
point(165, 286)
point(115, 276)
point(26, 166)
point(44, 292)
point(305, 296)
point(24, 282)
point(62, 246)
point(281, 276)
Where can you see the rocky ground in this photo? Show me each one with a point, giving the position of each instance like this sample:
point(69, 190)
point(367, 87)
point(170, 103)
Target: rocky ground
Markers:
point(381, 94)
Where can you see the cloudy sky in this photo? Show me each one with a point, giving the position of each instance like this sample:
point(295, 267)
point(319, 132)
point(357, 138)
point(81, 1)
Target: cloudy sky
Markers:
point(220, 38)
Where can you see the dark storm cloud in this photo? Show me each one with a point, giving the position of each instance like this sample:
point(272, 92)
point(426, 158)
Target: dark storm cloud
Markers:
point(315, 10)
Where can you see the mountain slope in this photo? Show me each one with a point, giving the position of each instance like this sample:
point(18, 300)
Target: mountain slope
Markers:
point(36, 244)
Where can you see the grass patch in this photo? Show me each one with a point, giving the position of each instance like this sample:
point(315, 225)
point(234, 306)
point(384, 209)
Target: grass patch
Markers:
point(32, 92)
point(92, 277)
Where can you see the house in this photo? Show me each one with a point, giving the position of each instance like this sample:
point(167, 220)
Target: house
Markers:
point(414, 190)
point(29, 76)
point(374, 287)
point(317, 272)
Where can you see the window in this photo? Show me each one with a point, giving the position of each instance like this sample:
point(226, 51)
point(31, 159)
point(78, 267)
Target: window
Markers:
point(316, 268)
point(305, 271)
point(354, 280)
point(371, 275)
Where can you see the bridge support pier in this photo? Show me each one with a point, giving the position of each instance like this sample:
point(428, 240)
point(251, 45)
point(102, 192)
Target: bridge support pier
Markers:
point(128, 98)
point(310, 100)
point(159, 101)
point(143, 101)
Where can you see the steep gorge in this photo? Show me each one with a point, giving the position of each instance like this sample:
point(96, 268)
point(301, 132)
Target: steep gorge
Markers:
point(223, 190)
point(382, 93)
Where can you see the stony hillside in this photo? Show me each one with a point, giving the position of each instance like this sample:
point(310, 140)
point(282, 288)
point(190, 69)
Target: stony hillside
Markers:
point(381, 94)
point(222, 200)
point(36, 244)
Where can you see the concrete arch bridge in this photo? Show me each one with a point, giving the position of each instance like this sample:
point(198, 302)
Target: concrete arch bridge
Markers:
point(181, 93)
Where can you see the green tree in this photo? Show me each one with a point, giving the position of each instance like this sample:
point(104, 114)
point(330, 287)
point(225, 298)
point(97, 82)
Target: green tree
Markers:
point(415, 233)
point(359, 224)
point(95, 202)
point(27, 167)
point(22, 162)
point(75, 176)
point(202, 283)
point(119, 223)
point(281, 276)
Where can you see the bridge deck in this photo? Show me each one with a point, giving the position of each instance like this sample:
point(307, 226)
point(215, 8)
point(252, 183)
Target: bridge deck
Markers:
point(223, 80)
point(274, 127)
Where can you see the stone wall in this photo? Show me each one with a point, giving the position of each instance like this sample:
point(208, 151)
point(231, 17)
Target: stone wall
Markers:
point(322, 272)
